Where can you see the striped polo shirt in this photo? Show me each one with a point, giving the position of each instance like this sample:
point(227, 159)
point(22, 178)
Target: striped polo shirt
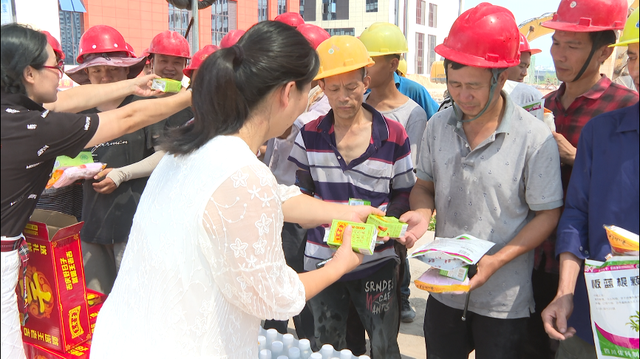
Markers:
point(383, 175)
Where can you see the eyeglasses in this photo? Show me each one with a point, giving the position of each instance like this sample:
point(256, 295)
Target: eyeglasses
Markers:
point(59, 66)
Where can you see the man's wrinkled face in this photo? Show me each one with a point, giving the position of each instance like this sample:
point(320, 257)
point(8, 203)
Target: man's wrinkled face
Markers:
point(345, 93)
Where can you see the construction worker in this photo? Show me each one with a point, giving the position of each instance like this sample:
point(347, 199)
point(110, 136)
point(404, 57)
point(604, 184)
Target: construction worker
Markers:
point(277, 158)
point(353, 154)
point(490, 169)
point(385, 43)
point(417, 93)
point(290, 18)
point(231, 38)
point(518, 73)
point(192, 70)
point(595, 198)
point(526, 96)
point(583, 32)
point(33, 136)
point(169, 52)
point(402, 68)
point(147, 64)
point(107, 211)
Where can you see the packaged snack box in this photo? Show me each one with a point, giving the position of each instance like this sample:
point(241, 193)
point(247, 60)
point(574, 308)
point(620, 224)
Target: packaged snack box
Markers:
point(388, 226)
point(623, 242)
point(363, 236)
point(458, 273)
point(433, 282)
point(166, 85)
point(56, 292)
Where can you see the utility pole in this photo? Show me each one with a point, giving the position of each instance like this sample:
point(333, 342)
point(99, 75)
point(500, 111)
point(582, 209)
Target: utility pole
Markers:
point(195, 45)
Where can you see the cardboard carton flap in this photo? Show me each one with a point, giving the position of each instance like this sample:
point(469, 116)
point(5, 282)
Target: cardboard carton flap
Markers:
point(54, 220)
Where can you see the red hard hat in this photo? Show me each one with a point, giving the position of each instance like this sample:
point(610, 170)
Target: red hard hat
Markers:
point(130, 49)
point(314, 34)
point(198, 58)
point(100, 39)
point(55, 44)
point(525, 47)
point(231, 38)
point(290, 18)
point(484, 36)
point(589, 15)
point(170, 43)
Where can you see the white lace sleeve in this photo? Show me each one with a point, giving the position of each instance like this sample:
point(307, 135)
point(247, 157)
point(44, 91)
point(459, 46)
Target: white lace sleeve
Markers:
point(287, 192)
point(243, 219)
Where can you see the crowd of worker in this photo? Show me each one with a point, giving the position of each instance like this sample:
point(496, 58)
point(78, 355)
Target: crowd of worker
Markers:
point(213, 213)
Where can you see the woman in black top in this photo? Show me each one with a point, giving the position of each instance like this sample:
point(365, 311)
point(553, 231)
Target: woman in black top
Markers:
point(33, 136)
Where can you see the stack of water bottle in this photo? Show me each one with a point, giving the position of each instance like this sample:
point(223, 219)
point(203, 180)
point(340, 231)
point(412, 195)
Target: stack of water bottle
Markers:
point(274, 345)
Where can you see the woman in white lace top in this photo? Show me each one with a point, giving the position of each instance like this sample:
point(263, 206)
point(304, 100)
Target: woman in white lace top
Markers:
point(204, 261)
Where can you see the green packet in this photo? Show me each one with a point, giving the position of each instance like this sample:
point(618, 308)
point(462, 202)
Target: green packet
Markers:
point(166, 85)
point(358, 202)
point(82, 158)
point(459, 273)
point(363, 236)
point(388, 226)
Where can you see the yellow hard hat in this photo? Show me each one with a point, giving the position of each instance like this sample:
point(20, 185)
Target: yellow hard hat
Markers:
point(402, 67)
point(341, 54)
point(630, 31)
point(384, 38)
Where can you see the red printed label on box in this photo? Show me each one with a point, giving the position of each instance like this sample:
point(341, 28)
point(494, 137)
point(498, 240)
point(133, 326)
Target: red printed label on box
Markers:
point(56, 293)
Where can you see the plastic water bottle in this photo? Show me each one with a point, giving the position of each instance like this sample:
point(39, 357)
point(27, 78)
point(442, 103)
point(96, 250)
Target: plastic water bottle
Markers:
point(287, 341)
point(262, 342)
point(272, 336)
point(346, 354)
point(294, 353)
point(276, 348)
point(316, 356)
point(305, 348)
point(364, 357)
point(265, 354)
point(327, 351)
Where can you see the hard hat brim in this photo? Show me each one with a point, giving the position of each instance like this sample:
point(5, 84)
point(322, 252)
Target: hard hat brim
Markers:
point(565, 26)
point(625, 43)
point(471, 60)
point(343, 70)
point(135, 65)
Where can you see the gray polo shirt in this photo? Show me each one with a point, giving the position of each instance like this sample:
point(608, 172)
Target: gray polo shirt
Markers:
point(491, 192)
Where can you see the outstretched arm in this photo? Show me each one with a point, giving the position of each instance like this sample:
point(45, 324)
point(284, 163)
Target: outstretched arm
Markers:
point(89, 96)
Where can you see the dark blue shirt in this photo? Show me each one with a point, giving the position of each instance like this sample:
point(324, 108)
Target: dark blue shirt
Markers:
point(417, 93)
point(603, 190)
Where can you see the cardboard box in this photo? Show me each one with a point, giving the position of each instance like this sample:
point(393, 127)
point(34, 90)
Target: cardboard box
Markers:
point(57, 303)
point(33, 351)
point(95, 300)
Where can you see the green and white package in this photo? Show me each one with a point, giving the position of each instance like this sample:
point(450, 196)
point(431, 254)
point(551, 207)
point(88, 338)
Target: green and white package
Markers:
point(613, 297)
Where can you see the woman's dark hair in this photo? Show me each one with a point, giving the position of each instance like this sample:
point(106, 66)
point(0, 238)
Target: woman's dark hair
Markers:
point(22, 46)
point(233, 81)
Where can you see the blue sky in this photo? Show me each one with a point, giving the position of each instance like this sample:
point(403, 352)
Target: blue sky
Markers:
point(524, 10)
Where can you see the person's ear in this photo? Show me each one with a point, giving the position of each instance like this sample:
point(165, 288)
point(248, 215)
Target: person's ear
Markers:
point(321, 84)
point(29, 75)
point(603, 54)
point(285, 94)
point(366, 81)
point(394, 64)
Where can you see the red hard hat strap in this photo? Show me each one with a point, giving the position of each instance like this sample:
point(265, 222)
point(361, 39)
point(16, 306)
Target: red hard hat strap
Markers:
point(594, 43)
